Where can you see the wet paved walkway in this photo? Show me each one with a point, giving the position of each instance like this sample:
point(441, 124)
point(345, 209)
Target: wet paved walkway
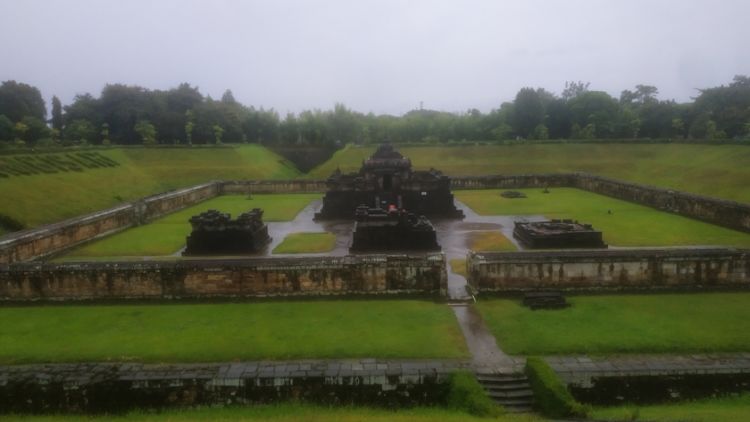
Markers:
point(486, 356)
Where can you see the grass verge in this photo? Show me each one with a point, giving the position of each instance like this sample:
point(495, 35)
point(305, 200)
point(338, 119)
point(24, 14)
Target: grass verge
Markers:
point(622, 223)
point(306, 243)
point(551, 396)
point(166, 235)
point(227, 332)
point(727, 409)
point(600, 325)
point(490, 241)
point(289, 413)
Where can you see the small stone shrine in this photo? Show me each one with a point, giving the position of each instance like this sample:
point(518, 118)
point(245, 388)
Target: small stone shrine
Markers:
point(376, 229)
point(215, 233)
point(558, 234)
point(512, 194)
point(386, 179)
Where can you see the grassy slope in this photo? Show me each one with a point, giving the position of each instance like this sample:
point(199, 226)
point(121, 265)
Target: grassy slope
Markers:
point(715, 170)
point(728, 409)
point(47, 198)
point(628, 225)
point(668, 323)
point(306, 243)
point(289, 413)
point(166, 235)
point(228, 332)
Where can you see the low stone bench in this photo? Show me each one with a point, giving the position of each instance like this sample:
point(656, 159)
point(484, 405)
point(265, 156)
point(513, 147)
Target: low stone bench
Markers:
point(545, 300)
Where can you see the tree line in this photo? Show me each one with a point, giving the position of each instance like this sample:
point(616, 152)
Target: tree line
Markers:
point(132, 115)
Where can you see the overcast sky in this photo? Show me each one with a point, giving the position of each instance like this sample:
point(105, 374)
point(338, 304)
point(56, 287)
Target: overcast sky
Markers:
point(380, 56)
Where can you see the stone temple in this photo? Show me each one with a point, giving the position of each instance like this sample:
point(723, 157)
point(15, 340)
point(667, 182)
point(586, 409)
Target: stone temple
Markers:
point(215, 233)
point(394, 230)
point(558, 234)
point(386, 179)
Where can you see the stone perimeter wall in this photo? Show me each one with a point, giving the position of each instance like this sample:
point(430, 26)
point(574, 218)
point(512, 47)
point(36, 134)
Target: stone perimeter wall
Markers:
point(116, 387)
point(53, 238)
point(623, 269)
point(227, 278)
point(733, 215)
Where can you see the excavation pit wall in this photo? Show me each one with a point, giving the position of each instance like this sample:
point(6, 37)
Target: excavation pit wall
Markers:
point(418, 275)
point(56, 238)
point(610, 270)
point(119, 387)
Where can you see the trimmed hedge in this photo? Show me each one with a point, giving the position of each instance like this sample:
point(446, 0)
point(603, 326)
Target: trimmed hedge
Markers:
point(551, 397)
point(26, 165)
point(467, 395)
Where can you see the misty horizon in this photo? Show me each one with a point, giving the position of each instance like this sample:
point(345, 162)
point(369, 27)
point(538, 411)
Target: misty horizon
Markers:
point(379, 57)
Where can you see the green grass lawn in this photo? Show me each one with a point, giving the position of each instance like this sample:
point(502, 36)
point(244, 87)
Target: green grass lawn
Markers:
point(490, 241)
point(458, 266)
point(658, 323)
point(166, 235)
point(728, 409)
point(306, 243)
point(228, 332)
point(47, 198)
point(629, 224)
point(288, 413)
point(714, 170)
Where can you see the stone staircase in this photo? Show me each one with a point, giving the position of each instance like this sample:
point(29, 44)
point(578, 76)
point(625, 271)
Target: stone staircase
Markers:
point(512, 391)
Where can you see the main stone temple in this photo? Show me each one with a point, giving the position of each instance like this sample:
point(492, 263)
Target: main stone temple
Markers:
point(387, 180)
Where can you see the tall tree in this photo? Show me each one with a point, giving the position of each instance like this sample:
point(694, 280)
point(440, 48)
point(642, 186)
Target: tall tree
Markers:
point(528, 112)
point(57, 118)
point(18, 100)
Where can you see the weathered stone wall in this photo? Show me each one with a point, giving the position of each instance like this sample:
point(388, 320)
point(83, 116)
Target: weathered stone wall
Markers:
point(517, 181)
point(117, 387)
point(46, 240)
point(610, 269)
point(273, 186)
point(164, 203)
point(367, 274)
point(717, 211)
point(53, 238)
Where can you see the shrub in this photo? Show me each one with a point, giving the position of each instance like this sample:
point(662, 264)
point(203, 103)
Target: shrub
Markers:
point(551, 396)
point(465, 394)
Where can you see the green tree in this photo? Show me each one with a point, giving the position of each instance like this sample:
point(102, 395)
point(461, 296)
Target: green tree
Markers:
point(18, 100)
point(57, 117)
point(20, 131)
point(104, 133)
point(6, 128)
point(528, 112)
point(540, 132)
point(36, 129)
point(146, 131)
point(79, 131)
point(189, 126)
point(218, 133)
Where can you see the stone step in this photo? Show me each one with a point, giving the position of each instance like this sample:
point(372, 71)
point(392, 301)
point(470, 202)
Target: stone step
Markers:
point(505, 386)
point(514, 394)
point(511, 391)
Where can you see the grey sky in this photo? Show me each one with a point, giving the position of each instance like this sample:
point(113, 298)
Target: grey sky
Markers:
point(380, 56)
